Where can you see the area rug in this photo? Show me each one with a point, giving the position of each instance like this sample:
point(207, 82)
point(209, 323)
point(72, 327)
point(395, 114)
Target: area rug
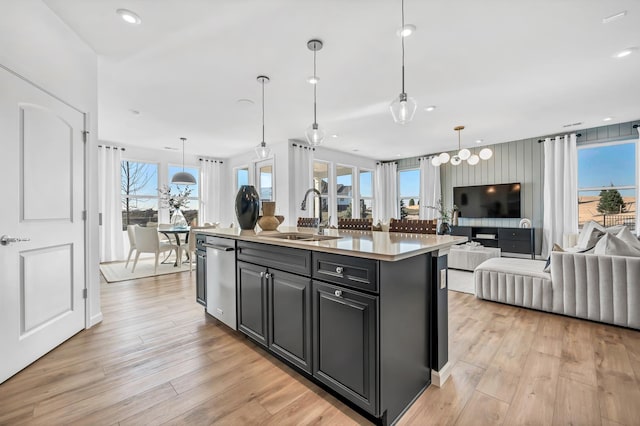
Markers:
point(461, 281)
point(115, 271)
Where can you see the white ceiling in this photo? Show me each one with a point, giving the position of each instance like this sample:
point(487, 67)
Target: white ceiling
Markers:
point(505, 69)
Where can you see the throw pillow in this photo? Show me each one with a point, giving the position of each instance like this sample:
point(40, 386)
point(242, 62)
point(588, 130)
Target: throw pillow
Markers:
point(611, 245)
point(589, 235)
point(628, 237)
point(547, 266)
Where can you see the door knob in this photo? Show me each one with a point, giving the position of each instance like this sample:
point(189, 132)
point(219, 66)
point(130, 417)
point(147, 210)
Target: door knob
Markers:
point(5, 240)
point(339, 269)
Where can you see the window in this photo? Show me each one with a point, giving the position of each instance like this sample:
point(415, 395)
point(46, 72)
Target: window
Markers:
point(366, 194)
point(264, 173)
point(242, 177)
point(321, 183)
point(408, 193)
point(344, 192)
point(190, 210)
point(139, 191)
point(606, 184)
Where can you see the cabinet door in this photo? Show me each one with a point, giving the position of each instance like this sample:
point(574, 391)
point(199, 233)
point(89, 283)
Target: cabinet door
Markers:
point(201, 282)
point(252, 301)
point(290, 317)
point(344, 337)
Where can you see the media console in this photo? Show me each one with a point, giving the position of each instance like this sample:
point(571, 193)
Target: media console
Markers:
point(509, 240)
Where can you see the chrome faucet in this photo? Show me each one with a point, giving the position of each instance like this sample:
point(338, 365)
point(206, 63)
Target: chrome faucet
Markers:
point(303, 206)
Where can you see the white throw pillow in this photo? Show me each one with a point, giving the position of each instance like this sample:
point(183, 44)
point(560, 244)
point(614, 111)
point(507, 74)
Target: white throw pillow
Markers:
point(589, 235)
point(611, 245)
point(628, 237)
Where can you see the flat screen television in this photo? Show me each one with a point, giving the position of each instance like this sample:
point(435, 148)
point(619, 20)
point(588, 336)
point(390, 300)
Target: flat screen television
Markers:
point(501, 200)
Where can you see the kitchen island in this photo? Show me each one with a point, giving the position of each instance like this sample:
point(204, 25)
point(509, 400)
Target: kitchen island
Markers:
point(364, 314)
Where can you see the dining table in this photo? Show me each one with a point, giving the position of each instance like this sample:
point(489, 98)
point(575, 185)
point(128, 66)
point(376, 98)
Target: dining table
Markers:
point(177, 232)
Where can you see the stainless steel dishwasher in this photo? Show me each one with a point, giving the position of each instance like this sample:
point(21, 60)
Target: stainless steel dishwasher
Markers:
point(221, 279)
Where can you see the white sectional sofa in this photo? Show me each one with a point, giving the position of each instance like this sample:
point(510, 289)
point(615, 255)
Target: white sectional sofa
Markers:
point(596, 287)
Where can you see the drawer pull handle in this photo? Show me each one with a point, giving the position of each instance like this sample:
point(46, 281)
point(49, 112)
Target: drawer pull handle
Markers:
point(268, 276)
point(338, 293)
point(262, 274)
point(339, 269)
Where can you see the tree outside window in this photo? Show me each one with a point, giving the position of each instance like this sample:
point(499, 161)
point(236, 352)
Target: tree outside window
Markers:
point(139, 193)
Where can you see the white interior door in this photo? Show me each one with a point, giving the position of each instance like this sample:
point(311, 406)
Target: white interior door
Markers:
point(42, 170)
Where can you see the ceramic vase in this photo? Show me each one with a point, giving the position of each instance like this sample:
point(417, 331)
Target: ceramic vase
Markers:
point(247, 206)
point(269, 222)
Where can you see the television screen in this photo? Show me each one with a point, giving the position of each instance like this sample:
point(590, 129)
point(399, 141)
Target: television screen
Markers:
point(502, 200)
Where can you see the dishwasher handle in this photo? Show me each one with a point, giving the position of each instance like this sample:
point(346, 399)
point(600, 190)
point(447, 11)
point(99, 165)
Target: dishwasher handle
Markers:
point(215, 247)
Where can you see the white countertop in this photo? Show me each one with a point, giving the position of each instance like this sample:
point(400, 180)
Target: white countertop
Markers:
point(387, 246)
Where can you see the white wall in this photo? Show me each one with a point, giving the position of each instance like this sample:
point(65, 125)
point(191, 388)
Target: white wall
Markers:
point(37, 45)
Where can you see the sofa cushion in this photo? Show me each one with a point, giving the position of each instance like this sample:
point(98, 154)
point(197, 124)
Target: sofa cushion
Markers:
point(611, 245)
point(547, 266)
point(589, 235)
point(628, 237)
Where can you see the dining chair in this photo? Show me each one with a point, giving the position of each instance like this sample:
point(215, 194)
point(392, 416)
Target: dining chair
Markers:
point(131, 232)
point(308, 222)
point(148, 241)
point(356, 224)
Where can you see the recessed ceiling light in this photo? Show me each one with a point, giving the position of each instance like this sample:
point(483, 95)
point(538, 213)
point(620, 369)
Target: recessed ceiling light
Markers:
point(129, 17)
point(314, 79)
point(398, 155)
point(614, 17)
point(406, 31)
point(430, 108)
point(245, 101)
point(607, 119)
point(335, 136)
point(479, 140)
point(626, 52)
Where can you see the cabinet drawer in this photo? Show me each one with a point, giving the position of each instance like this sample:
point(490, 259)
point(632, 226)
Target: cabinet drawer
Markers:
point(350, 271)
point(515, 246)
point(514, 234)
point(283, 258)
point(462, 231)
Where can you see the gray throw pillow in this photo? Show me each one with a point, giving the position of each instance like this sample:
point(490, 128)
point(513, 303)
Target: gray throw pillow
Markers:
point(611, 245)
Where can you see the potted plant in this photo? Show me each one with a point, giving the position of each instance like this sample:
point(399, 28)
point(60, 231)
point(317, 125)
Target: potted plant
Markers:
point(445, 216)
point(175, 202)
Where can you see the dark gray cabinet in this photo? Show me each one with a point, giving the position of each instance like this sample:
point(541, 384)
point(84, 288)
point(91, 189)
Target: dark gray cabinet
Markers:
point(290, 317)
point(252, 301)
point(344, 331)
point(509, 240)
point(201, 278)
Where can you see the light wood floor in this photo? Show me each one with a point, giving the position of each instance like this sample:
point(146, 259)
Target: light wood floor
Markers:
point(156, 358)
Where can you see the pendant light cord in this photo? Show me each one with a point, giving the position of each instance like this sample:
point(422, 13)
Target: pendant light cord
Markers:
point(314, 87)
point(183, 139)
point(263, 110)
point(402, 41)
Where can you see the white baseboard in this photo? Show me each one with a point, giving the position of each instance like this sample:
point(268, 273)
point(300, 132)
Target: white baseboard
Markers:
point(438, 378)
point(95, 320)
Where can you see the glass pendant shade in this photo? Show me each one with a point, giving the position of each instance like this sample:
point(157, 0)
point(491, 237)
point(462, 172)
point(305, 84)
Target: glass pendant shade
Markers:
point(464, 154)
point(486, 153)
point(455, 160)
point(183, 178)
point(473, 160)
point(435, 161)
point(262, 150)
point(314, 134)
point(444, 158)
point(403, 109)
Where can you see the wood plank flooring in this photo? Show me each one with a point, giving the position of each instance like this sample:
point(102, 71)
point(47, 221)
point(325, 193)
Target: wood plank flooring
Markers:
point(158, 359)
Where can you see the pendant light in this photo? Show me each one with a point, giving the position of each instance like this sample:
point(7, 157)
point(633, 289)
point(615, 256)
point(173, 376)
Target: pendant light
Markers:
point(183, 178)
point(403, 107)
point(314, 134)
point(463, 154)
point(262, 150)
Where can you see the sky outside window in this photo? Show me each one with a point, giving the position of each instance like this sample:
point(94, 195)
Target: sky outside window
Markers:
point(607, 165)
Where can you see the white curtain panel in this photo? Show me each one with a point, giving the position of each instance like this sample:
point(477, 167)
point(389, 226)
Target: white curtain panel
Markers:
point(110, 204)
point(430, 191)
point(385, 205)
point(302, 175)
point(560, 190)
point(211, 176)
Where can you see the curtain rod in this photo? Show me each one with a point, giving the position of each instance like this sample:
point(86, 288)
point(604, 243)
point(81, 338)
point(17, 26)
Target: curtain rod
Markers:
point(303, 147)
point(213, 161)
point(542, 140)
point(110, 147)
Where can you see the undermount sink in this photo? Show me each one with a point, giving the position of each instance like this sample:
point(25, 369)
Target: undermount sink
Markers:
point(301, 236)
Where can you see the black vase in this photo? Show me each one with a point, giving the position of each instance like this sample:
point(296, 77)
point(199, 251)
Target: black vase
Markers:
point(247, 206)
point(444, 229)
